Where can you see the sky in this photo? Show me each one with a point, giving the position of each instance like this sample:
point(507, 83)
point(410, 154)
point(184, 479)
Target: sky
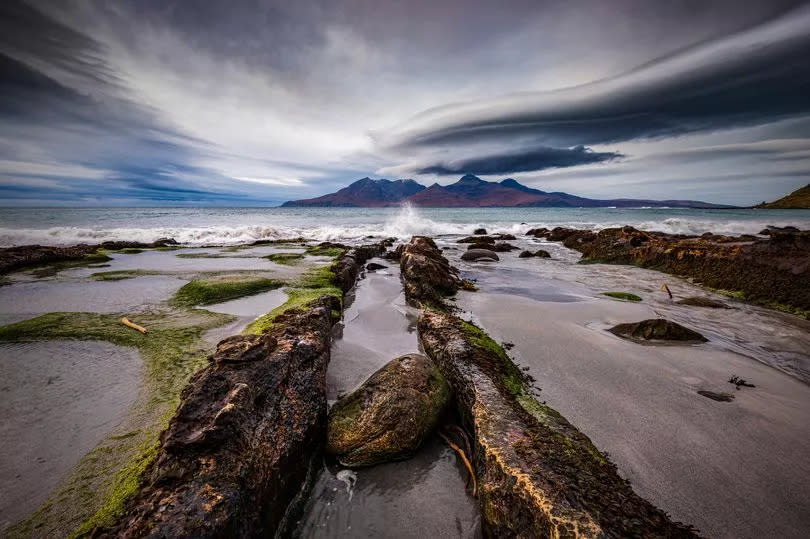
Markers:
point(230, 103)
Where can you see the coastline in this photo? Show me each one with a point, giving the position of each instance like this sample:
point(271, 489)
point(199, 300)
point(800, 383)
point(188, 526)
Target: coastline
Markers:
point(554, 300)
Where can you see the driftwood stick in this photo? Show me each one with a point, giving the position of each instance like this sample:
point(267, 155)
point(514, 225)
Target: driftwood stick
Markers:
point(665, 288)
point(127, 322)
point(464, 459)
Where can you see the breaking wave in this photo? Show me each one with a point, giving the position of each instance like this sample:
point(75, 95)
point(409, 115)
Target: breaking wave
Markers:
point(355, 225)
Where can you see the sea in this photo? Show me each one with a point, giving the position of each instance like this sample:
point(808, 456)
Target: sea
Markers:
point(224, 226)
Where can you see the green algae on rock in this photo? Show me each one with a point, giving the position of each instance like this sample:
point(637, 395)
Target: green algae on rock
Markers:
point(286, 259)
point(627, 296)
point(538, 475)
point(96, 491)
point(390, 415)
point(773, 272)
point(120, 275)
point(223, 288)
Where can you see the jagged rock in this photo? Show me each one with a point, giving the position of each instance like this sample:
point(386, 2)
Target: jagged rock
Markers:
point(348, 266)
point(390, 415)
point(474, 255)
point(12, 258)
point(244, 348)
point(538, 232)
point(477, 239)
point(427, 275)
point(540, 253)
point(701, 301)
point(480, 231)
point(657, 329)
point(538, 476)
point(774, 269)
point(247, 435)
point(373, 266)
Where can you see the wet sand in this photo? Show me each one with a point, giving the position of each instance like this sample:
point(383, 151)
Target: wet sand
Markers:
point(423, 496)
point(733, 469)
point(58, 399)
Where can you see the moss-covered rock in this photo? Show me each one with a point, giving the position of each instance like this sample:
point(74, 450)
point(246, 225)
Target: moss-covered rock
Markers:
point(219, 289)
point(390, 415)
point(657, 329)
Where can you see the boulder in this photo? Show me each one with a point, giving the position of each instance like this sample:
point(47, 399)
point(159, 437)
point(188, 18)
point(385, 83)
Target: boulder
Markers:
point(373, 266)
point(477, 239)
point(657, 329)
point(538, 232)
point(474, 255)
point(540, 253)
point(390, 415)
point(701, 301)
point(480, 231)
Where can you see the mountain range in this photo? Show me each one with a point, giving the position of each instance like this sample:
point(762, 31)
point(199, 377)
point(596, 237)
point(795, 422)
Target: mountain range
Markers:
point(470, 192)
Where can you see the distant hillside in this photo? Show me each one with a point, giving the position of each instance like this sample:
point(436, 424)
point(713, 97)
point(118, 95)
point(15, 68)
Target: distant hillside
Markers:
point(471, 192)
point(366, 193)
point(798, 199)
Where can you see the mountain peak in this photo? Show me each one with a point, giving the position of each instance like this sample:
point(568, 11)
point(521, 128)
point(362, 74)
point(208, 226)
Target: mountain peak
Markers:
point(469, 179)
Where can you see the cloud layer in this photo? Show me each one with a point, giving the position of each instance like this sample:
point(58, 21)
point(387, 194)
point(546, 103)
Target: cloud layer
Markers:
point(256, 102)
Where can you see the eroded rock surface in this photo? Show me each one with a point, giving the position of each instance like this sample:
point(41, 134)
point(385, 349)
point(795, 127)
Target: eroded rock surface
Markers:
point(426, 274)
point(657, 329)
point(702, 301)
point(774, 269)
point(390, 415)
point(538, 476)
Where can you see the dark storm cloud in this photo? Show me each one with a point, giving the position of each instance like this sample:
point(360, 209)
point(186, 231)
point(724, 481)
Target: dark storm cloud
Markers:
point(534, 159)
point(758, 76)
point(257, 100)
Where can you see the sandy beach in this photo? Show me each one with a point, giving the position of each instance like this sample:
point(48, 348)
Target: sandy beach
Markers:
point(733, 469)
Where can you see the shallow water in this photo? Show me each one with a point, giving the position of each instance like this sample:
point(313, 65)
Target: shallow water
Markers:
point(423, 496)
point(251, 307)
point(33, 298)
point(733, 469)
point(58, 399)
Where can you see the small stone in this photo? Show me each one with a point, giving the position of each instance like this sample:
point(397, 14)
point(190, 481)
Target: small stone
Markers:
point(373, 266)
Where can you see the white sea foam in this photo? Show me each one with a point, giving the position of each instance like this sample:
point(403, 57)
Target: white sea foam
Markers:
point(356, 225)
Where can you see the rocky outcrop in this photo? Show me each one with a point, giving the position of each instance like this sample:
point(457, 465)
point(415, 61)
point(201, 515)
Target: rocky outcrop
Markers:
point(774, 269)
point(390, 415)
point(538, 476)
point(656, 329)
point(702, 301)
point(480, 231)
point(241, 443)
point(248, 434)
point(540, 253)
point(427, 275)
point(349, 265)
point(13, 258)
point(474, 255)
